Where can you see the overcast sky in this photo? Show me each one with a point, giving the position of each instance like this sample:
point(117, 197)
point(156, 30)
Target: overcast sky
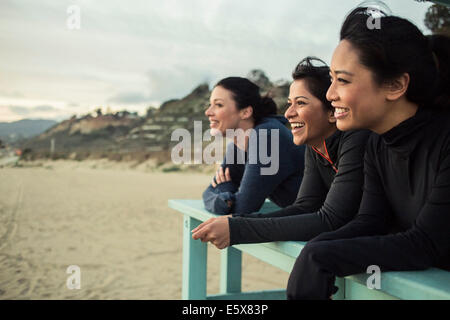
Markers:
point(132, 54)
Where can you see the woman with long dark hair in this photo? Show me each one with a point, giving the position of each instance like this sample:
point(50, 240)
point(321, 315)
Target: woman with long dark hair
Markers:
point(394, 81)
point(245, 179)
point(331, 189)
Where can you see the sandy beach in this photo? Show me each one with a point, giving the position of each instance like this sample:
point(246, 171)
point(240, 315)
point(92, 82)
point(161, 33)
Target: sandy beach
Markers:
point(111, 221)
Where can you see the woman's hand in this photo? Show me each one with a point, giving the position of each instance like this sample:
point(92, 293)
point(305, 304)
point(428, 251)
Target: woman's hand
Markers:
point(221, 176)
point(214, 230)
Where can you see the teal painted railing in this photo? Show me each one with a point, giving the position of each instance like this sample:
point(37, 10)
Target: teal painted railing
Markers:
point(429, 284)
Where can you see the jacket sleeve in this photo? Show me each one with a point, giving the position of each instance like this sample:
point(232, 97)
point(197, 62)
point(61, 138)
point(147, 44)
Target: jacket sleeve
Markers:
point(310, 197)
point(427, 240)
point(374, 214)
point(219, 199)
point(340, 205)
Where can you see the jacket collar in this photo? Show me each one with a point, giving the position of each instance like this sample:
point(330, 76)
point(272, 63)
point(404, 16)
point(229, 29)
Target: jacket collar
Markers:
point(404, 136)
point(332, 147)
point(332, 143)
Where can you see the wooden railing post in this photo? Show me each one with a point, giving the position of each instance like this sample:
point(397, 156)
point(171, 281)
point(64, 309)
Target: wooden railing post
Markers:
point(194, 263)
point(230, 270)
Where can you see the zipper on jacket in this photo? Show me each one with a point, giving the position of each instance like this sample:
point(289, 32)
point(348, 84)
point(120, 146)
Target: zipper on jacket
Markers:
point(327, 156)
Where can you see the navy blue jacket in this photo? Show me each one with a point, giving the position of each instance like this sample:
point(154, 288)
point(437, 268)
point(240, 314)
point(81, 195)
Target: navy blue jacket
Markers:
point(250, 185)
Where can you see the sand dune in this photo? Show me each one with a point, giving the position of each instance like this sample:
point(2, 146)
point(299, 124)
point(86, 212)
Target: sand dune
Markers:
point(114, 223)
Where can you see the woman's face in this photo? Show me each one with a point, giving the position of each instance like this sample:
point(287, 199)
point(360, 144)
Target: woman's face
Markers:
point(358, 101)
point(222, 111)
point(310, 122)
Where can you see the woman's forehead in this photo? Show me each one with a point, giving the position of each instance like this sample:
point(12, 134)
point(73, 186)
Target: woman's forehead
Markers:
point(221, 94)
point(298, 88)
point(345, 57)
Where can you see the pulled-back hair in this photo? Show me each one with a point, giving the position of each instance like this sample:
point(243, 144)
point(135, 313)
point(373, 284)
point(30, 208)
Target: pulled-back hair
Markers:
point(317, 78)
point(246, 93)
point(396, 47)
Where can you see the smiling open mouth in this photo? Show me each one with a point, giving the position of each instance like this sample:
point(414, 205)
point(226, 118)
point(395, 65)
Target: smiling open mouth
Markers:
point(297, 126)
point(340, 112)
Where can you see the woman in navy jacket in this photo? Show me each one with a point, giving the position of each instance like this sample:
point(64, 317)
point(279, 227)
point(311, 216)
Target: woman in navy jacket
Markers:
point(246, 178)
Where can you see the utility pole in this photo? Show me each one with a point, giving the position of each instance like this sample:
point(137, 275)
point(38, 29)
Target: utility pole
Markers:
point(52, 146)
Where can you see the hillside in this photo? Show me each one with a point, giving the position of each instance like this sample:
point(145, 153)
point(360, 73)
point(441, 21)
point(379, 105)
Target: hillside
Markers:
point(124, 135)
point(22, 129)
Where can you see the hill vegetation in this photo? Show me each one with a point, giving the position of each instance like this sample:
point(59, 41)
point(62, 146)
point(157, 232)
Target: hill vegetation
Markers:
point(127, 136)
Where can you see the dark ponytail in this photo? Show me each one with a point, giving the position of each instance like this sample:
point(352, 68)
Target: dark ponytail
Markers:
point(246, 93)
point(397, 46)
point(266, 108)
point(440, 48)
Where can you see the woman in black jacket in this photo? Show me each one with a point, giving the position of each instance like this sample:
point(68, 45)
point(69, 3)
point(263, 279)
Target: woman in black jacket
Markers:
point(332, 182)
point(394, 81)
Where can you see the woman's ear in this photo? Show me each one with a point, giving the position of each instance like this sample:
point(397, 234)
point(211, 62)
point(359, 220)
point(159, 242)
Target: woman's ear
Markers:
point(331, 118)
point(246, 113)
point(396, 88)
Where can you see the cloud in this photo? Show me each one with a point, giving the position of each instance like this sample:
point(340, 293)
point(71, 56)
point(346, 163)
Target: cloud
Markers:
point(144, 51)
point(45, 108)
point(176, 81)
point(12, 94)
point(15, 112)
point(129, 98)
point(23, 111)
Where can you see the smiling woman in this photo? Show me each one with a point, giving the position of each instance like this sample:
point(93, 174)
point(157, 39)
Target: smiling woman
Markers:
point(395, 82)
point(331, 188)
point(239, 185)
point(352, 109)
point(309, 112)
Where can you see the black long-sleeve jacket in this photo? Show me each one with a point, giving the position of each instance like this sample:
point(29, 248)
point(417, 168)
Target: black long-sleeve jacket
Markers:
point(407, 189)
point(328, 198)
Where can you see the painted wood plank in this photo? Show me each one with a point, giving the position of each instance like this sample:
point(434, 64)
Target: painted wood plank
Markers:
point(340, 294)
point(268, 255)
point(194, 263)
point(428, 284)
point(230, 270)
point(357, 291)
point(252, 295)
